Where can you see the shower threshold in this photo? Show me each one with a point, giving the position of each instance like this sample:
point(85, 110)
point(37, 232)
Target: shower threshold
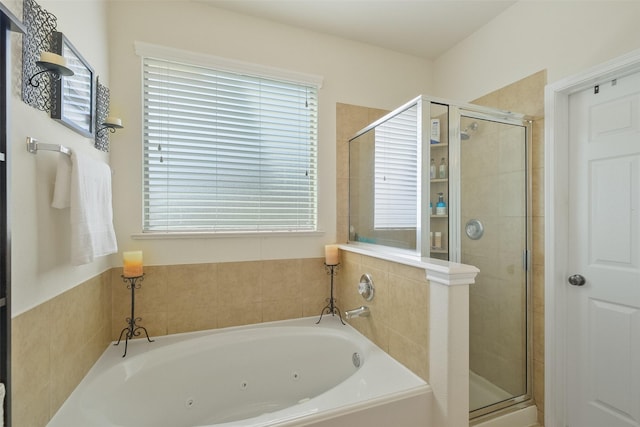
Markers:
point(483, 393)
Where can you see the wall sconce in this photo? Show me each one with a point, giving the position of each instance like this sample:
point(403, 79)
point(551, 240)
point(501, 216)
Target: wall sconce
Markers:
point(51, 63)
point(110, 124)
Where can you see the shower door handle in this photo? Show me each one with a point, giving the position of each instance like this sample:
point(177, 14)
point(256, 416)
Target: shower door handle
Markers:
point(576, 280)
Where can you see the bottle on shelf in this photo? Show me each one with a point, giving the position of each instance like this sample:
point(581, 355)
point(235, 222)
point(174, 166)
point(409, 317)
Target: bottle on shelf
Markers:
point(435, 131)
point(438, 240)
point(432, 171)
point(442, 169)
point(441, 206)
point(430, 208)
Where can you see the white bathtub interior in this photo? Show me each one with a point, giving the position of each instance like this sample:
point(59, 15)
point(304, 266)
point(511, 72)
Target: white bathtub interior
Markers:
point(283, 373)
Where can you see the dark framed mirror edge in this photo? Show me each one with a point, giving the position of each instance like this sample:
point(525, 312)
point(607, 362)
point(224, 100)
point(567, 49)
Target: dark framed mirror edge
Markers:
point(60, 105)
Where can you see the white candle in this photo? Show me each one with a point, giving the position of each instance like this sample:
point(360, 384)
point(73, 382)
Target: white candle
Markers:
point(331, 255)
point(53, 58)
point(113, 121)
point(132, 264)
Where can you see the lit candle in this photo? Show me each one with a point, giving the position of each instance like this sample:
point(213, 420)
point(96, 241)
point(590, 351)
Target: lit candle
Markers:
point(331, 255)
point(53, 58)
point(132, 264)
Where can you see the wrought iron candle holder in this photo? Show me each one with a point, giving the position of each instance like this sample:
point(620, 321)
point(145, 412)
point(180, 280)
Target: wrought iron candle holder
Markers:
point(331, 307)
point(132, 329)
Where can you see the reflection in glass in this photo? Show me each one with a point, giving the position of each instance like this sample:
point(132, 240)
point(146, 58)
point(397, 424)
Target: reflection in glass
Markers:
point(383, 172)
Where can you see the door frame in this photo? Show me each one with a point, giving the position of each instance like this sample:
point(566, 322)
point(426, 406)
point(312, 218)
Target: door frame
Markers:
point(556, 164)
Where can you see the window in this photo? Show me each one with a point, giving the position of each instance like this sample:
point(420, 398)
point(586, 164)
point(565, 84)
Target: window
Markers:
point(227, 151)
point(396, 172)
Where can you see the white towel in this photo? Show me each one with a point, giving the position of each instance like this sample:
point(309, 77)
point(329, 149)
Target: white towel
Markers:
point(2, 395)
point(62, 188)
point(92, 233)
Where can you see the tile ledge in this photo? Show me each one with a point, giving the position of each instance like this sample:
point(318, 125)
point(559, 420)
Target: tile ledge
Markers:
point(438, 271)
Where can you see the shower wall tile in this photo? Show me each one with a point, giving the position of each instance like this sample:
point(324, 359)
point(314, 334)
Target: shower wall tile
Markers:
point(526, 96)
point(53, 347)
point(349, 120)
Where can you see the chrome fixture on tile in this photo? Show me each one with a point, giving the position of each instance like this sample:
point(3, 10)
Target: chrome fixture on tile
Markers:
point(365, 287)
point(466, 132)
point(362, 311)
point(474, 229)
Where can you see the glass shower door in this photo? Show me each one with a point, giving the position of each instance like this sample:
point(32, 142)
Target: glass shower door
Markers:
point(493, 237)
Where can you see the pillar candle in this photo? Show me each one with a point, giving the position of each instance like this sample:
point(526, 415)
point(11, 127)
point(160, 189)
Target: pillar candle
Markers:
point(53, 58)
point(132, 264)
point(113, 121)
point(331, 255)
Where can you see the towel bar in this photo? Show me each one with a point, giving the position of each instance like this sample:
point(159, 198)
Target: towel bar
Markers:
point(33, 146)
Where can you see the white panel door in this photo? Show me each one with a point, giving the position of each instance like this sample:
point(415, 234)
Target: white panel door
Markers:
point(603, 313)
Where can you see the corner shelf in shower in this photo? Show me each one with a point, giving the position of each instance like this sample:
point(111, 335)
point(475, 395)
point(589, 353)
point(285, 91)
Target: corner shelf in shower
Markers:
point(440, 223)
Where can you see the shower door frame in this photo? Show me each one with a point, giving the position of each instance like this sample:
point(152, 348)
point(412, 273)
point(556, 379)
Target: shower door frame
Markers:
point(480, 113)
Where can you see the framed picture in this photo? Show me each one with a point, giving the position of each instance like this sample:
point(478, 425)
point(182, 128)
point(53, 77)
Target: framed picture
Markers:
point(74, 96)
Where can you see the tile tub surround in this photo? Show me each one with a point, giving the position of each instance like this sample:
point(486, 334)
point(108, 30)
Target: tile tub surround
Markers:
point(54, 345)
point(400, 309)
point(420, 316)
point(193, 297)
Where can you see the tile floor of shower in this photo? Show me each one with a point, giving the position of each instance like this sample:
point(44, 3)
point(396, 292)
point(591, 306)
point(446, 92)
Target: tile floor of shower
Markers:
point(483, 392)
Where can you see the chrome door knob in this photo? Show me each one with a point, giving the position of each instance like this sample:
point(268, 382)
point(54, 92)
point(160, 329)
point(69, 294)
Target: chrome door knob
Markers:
point(576, 280)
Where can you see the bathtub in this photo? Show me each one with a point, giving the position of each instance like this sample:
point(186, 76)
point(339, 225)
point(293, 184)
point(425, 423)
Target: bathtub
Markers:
point(286, 373)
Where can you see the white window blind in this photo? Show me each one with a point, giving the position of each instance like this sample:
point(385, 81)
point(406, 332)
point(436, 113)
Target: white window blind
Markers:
point(396, 172)
point(224, 151)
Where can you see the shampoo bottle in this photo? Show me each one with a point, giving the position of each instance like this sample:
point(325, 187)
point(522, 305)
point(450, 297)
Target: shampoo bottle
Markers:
point(435, 131)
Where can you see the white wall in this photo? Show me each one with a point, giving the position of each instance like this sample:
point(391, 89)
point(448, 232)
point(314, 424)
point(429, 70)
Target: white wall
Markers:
point(562, 36)
point(40, 234)
point(353, 73)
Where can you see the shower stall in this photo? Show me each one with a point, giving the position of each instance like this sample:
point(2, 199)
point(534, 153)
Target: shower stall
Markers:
point(452, 181)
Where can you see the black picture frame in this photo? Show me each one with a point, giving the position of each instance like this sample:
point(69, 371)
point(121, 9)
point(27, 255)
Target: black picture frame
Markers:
point(74, 96)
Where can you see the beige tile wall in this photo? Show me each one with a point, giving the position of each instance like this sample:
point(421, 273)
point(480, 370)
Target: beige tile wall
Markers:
point(184, 298)
point(53, 347)
point(399, 313)
point(493, 168)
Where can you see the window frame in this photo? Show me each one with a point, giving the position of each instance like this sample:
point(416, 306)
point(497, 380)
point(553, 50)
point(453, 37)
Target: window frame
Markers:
point(145, 50)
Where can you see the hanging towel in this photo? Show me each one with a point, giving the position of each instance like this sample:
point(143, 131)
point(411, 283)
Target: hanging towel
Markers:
point(2, 396)
point(92, 233)
point(62, 188)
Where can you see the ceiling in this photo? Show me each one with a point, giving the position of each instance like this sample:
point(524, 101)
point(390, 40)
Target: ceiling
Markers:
point(424, 28)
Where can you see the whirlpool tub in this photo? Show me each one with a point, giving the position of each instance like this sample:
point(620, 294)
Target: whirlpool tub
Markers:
point(287, 373)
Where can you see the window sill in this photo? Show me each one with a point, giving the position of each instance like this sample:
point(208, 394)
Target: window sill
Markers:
point(160, 235)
